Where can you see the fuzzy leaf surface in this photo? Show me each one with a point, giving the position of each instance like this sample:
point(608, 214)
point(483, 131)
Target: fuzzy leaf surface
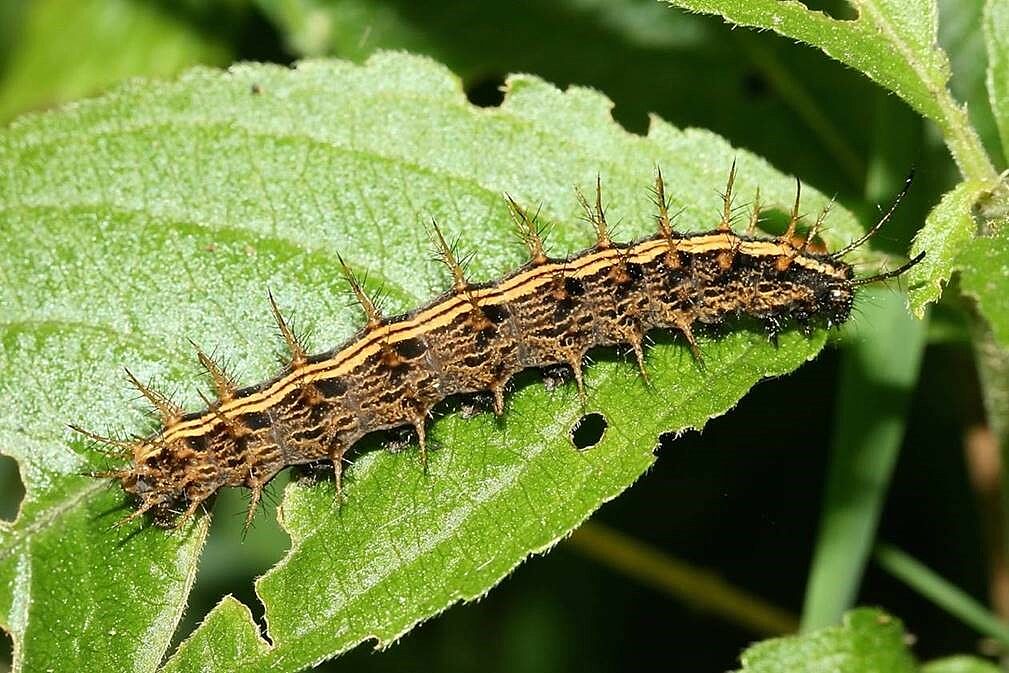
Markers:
point(947, 231)
point(960, 664)
point(867, 641)
point(163, 211)
point(985, 277)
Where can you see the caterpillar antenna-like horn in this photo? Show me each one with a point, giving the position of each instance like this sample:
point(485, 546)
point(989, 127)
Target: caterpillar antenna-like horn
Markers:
point(876, 227)
point(890, 274)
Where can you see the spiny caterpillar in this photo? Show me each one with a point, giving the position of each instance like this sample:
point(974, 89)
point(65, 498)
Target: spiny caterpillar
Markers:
point(474, 338)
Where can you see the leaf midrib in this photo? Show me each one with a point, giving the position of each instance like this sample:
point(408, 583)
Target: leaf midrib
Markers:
point(923, 71)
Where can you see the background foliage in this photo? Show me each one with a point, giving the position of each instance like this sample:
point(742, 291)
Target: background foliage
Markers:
point(756, 500)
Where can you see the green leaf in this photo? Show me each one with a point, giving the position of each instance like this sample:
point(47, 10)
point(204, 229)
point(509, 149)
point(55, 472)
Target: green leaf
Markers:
point(985, 277)
point(60, 559)
point(227, 636)
point(996, 34)
point(162, 212)
point(951, 243)
point(879, 370)
point(868, 641)
point(947, 230)
point(100, 42)
point(893, 42)
point(960, 664)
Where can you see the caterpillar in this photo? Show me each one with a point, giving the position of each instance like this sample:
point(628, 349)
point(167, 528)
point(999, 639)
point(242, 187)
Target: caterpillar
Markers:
point(473, 338)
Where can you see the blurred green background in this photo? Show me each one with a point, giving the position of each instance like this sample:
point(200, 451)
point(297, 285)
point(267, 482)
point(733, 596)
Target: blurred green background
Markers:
point(742, 498)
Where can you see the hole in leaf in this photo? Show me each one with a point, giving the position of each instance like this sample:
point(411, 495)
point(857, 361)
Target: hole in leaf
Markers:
point(12, 489)
point(588, 431)
point(6, 651)
point(835, 9)
point(486, 92)
point(233, 558)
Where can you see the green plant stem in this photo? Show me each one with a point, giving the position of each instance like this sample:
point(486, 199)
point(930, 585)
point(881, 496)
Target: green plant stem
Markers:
point(941, 592)
point(684, 582)
point(963, 141)
point(992, 363)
